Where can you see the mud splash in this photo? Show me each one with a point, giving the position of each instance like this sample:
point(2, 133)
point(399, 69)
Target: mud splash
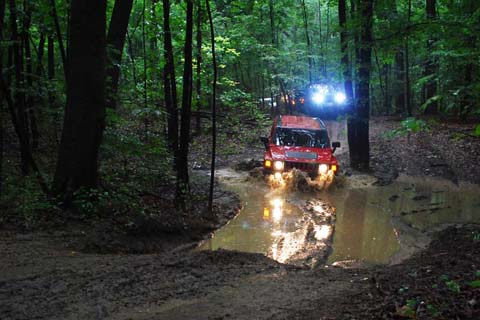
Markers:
point(358, 223)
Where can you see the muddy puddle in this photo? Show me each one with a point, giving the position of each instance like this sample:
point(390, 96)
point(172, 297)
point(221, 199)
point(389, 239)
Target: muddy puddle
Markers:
point(358, 223)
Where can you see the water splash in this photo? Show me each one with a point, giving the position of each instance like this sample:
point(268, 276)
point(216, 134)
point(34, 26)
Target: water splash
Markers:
point(296, 180)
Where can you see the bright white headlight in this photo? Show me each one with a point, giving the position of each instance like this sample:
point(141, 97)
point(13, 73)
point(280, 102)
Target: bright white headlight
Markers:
point(278, 165)
point(323, 168)
point(340, 97)
point(318, 97)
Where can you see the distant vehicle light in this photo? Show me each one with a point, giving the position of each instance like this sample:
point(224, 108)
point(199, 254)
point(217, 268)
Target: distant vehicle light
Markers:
point(340, 97)
point(278, 165)
point(318, 98)
point(323, 168)
point(302, 100)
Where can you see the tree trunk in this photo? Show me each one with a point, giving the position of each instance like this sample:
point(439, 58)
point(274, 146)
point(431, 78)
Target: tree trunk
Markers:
point(22, 117)
point(307, 37)
point(347, 74)
point(214, 109)
point(170, 85)
point(198, 82)
point(358, 126)
point(84, 123)
point(30, 104)
point(182, 160)
point(117, 32)
point(59, 37)
point(431, 65)
point(408, 92)
point(2, 17)
point(271, 8)
point(145, 67)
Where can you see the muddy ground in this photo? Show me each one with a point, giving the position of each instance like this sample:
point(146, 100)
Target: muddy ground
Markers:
point(43, 275)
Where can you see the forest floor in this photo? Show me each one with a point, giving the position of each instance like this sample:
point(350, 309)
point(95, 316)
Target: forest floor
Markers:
point(49, 275)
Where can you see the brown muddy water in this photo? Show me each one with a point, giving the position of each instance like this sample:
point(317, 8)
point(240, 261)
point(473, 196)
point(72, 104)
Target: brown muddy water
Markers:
point(373, 225)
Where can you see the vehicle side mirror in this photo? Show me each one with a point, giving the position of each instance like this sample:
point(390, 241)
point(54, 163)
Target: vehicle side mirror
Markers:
point(335, 145)
point(266, 143)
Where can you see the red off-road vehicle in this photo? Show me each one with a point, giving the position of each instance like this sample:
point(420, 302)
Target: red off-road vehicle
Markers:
point(302, 143)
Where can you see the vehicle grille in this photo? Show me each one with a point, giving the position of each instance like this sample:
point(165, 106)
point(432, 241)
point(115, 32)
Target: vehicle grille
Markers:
point(308, 167)
point(301, 155)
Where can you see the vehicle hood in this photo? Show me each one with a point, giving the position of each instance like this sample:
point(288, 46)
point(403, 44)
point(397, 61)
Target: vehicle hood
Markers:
point(301, 154)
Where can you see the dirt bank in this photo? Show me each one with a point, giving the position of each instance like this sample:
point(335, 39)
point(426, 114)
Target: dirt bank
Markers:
point(447, 150)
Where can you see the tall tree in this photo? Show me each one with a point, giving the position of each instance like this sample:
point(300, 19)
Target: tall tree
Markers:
point(198, 71)
point(84, 122)
point(307, 37)
point(345, 61)
point(58, 32)
point(117, 33)
point(431, 65)
point(182, 159)
point(30, 105)
point(407, 83)
point(214, 107)
point(22, 116)
point(169, 83)
point(2, 16)
point(358, 123)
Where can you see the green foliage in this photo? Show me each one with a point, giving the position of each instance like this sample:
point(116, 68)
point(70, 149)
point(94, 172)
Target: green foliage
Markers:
point(407, 126)
point(477, 131)
point(104, 203)
point(23, 200)
point(453, 286)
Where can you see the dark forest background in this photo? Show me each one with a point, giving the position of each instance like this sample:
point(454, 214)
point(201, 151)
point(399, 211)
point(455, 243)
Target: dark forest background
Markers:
point(101, 100)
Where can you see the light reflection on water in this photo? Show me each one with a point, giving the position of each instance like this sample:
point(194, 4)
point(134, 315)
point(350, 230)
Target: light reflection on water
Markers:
point(273, 223)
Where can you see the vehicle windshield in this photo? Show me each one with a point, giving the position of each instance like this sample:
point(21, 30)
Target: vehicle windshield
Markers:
point(301, 138)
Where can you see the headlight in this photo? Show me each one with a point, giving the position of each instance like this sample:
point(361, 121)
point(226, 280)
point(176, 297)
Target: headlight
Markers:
point(323, 168)
point(278, 165)
point(268, 163)
point(340, 97)
point(318, 97)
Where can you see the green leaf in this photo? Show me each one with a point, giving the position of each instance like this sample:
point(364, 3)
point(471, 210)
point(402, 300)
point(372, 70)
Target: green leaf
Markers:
point(474, 284)
point(477, 130)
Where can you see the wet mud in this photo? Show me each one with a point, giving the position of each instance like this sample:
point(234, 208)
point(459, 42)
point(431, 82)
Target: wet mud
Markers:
point(354, 223)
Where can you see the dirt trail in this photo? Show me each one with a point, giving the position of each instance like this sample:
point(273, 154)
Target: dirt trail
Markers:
point(42, 278)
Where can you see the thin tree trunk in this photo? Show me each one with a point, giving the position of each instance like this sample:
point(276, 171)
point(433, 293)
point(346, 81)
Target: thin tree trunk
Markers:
point(19, 92)
point(2, 17)
point(321, 40)
point(408, 93)
point(145, 75)
point(431, 65)
point(198, 83)
point(41, 48)
point(77, 165)
point(327, 37)
point(51, 77)
point(169, 82)
point(29, 75)
point(272, 20)
point(183, 188)
point(307, 37)
point(59, 37)
point(117, 32)
point(214, 109)
point(345, 61)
